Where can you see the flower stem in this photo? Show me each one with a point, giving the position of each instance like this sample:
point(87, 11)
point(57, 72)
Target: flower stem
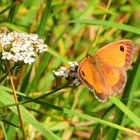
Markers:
point(17, 105)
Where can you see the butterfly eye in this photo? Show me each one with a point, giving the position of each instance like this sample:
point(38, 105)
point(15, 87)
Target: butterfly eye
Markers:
point(83, 73)
point(122, 48)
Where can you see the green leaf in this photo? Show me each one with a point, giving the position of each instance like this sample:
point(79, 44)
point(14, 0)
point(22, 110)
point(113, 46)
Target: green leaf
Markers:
point(6, 99)
point(107, 24)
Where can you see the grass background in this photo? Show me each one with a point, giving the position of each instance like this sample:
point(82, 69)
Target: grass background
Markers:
point(71, 29)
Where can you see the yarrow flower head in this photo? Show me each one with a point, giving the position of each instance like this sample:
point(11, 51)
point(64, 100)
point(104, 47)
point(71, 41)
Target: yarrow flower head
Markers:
point(21, 47)
point(69, 73)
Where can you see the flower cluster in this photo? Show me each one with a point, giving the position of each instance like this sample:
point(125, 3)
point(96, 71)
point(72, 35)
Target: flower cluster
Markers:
point(21, 47)
point(69, 73)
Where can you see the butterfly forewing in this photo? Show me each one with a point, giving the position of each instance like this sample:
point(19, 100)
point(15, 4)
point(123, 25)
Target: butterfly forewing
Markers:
point(117, 54)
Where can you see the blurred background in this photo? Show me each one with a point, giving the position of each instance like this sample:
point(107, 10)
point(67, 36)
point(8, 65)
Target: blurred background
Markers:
point(51, 108)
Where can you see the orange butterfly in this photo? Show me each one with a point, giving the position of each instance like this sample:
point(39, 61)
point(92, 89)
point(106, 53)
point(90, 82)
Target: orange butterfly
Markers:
point(105, 72)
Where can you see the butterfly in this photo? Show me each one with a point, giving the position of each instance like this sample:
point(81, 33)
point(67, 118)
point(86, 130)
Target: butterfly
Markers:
point(105, 72)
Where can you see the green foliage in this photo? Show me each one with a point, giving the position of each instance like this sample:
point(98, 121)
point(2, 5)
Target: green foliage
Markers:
point(53, 109)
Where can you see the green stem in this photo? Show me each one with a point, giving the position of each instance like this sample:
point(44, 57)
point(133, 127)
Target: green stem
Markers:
point(130, 87)
point(95, 41)
point(41, 28)
point(17, 105)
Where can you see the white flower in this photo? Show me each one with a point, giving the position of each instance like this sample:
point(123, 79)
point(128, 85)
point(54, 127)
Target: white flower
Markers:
point(61, 72)
point(63, 68)
point(73, 65)
point(21, 46)
point(56, 73)
point(42, 48)
point(7, 55)
point(65, 74)
point(19, 56)
point(69, 73)
point(29, 60)
point(76, 82)
point(4, 40)
point(34, 37)
point(9, 37)
point(74, 74)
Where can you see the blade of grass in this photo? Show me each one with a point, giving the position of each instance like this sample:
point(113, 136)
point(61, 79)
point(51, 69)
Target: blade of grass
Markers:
point(126, 111)
point(131, 86)
point(43, 65)
point(12, 26)
point(56, 54)
point(84, 116)
point(13, 9)
point(4, 131)
point(5, 9)
point(97, 120)
point(107, 24)
point(41, 28)
point(27, 117)
point(95, 41)
point(119, 104)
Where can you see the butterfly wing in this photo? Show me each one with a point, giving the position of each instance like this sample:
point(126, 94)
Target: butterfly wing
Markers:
point(89, 75)
point(113, 80)
point(105, 73)
point(102, 79)
point(117, 54)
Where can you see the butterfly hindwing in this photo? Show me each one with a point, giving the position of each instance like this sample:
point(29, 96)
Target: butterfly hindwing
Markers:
point(117, 54)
